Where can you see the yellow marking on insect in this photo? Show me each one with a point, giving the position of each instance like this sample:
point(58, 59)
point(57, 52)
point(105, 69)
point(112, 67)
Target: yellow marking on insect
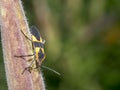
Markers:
point(34, 39)
point(37, 49)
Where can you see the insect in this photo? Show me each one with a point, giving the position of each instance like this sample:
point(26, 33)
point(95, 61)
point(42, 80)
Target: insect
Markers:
point(38, 51)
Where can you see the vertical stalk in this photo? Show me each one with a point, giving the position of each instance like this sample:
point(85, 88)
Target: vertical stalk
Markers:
point(14, 43)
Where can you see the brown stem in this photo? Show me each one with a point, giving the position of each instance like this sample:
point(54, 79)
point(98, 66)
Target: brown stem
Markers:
point(14, 43)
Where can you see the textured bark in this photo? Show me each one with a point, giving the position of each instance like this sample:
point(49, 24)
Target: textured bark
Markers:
point(14, 43)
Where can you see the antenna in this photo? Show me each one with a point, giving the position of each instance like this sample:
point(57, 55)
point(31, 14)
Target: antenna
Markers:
point(50, 69)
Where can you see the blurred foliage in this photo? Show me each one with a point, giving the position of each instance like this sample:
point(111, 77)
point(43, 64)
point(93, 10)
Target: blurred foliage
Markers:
point(82, 42)
point(3, 83)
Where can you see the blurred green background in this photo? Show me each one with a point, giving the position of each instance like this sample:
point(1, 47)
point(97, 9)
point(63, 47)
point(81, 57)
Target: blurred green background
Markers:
point(82, 43)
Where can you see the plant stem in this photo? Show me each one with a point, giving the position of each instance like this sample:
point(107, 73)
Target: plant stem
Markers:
point(14, 43)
